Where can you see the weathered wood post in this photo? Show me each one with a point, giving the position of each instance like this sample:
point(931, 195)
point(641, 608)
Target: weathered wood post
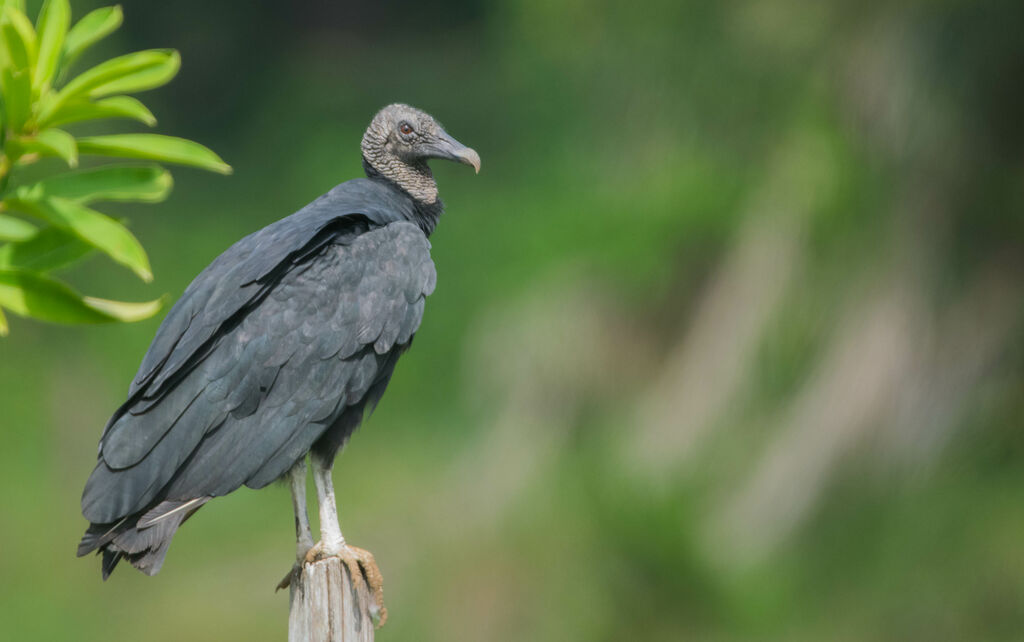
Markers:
point(327, 606)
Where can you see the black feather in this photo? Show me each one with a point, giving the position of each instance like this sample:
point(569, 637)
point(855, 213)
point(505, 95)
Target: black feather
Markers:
point(279, 345)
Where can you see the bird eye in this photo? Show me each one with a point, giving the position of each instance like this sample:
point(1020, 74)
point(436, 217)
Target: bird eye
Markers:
point(405, 128)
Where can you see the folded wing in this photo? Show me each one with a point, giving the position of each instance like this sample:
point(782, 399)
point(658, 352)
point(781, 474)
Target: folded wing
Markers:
point(253, 369)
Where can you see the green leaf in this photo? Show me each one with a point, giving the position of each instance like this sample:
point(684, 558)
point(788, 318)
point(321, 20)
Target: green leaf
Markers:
point(147, 183)
point(124, 311)
point(113, 107)
point(17, 4)
point(99, 230)
point(92, 28)
point(51, 249)
point(141, 80)
point(51, 26)
point(4, 328)
point(18, 38)
point(15, 229)
point(57, 142)
point(49, 142)
point(17, 94)
point(129, 73)
point(47, 299)
point(155, 147)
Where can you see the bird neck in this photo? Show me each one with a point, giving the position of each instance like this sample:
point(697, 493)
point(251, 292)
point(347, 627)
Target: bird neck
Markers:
point(416, 181)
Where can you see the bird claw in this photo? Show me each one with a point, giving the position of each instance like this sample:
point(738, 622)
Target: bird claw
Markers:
point(362, 568)
point(286, 581)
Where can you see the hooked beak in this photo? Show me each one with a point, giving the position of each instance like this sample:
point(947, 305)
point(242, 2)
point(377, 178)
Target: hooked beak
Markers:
point(448, 148)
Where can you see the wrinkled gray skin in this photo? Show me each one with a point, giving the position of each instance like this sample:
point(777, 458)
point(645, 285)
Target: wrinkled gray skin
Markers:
point(402, 155)
point(275, 350)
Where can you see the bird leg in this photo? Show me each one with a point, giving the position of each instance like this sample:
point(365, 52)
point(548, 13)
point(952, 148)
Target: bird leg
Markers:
point(362, 567)
point(331, 540)
point(303, 534)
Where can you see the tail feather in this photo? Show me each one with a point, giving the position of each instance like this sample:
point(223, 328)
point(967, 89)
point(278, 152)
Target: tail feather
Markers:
point(96, 536)
point(168, 509)
point(110, 560)
point(143, 538)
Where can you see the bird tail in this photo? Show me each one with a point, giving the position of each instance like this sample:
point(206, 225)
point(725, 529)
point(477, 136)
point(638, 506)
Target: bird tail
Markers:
point(142, 538)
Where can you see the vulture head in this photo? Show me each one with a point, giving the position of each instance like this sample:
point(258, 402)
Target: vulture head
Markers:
point(399, 142)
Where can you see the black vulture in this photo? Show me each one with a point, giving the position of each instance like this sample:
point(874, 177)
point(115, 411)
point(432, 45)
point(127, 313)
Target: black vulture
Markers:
point(274, 352)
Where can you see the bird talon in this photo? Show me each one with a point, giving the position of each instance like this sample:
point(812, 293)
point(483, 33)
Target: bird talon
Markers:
point(371, 576)
point(363, 571)
point(314, 554)
point(286, 581)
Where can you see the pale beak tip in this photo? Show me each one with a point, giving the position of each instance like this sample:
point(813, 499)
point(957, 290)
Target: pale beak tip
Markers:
point(471, 158)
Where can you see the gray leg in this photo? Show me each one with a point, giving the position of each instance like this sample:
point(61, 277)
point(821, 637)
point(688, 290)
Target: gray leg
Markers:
point(303, 534)
point(362, 568)
point(331, 540)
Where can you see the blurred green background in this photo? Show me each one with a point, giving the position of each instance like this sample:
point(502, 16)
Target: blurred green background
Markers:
point(727, 342)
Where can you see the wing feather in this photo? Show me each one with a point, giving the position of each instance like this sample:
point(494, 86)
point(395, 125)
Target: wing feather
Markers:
point(312, 348)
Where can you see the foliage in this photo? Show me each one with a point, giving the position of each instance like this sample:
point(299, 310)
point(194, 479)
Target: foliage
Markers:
point(49, 224)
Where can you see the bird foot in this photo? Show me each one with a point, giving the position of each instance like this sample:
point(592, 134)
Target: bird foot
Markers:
point(303, 546)
point(362, 568)
point(286, 581)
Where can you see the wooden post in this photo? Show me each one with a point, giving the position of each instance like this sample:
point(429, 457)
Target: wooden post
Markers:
point(326, 607)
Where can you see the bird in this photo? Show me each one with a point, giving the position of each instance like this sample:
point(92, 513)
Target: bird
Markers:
point(273, 355)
